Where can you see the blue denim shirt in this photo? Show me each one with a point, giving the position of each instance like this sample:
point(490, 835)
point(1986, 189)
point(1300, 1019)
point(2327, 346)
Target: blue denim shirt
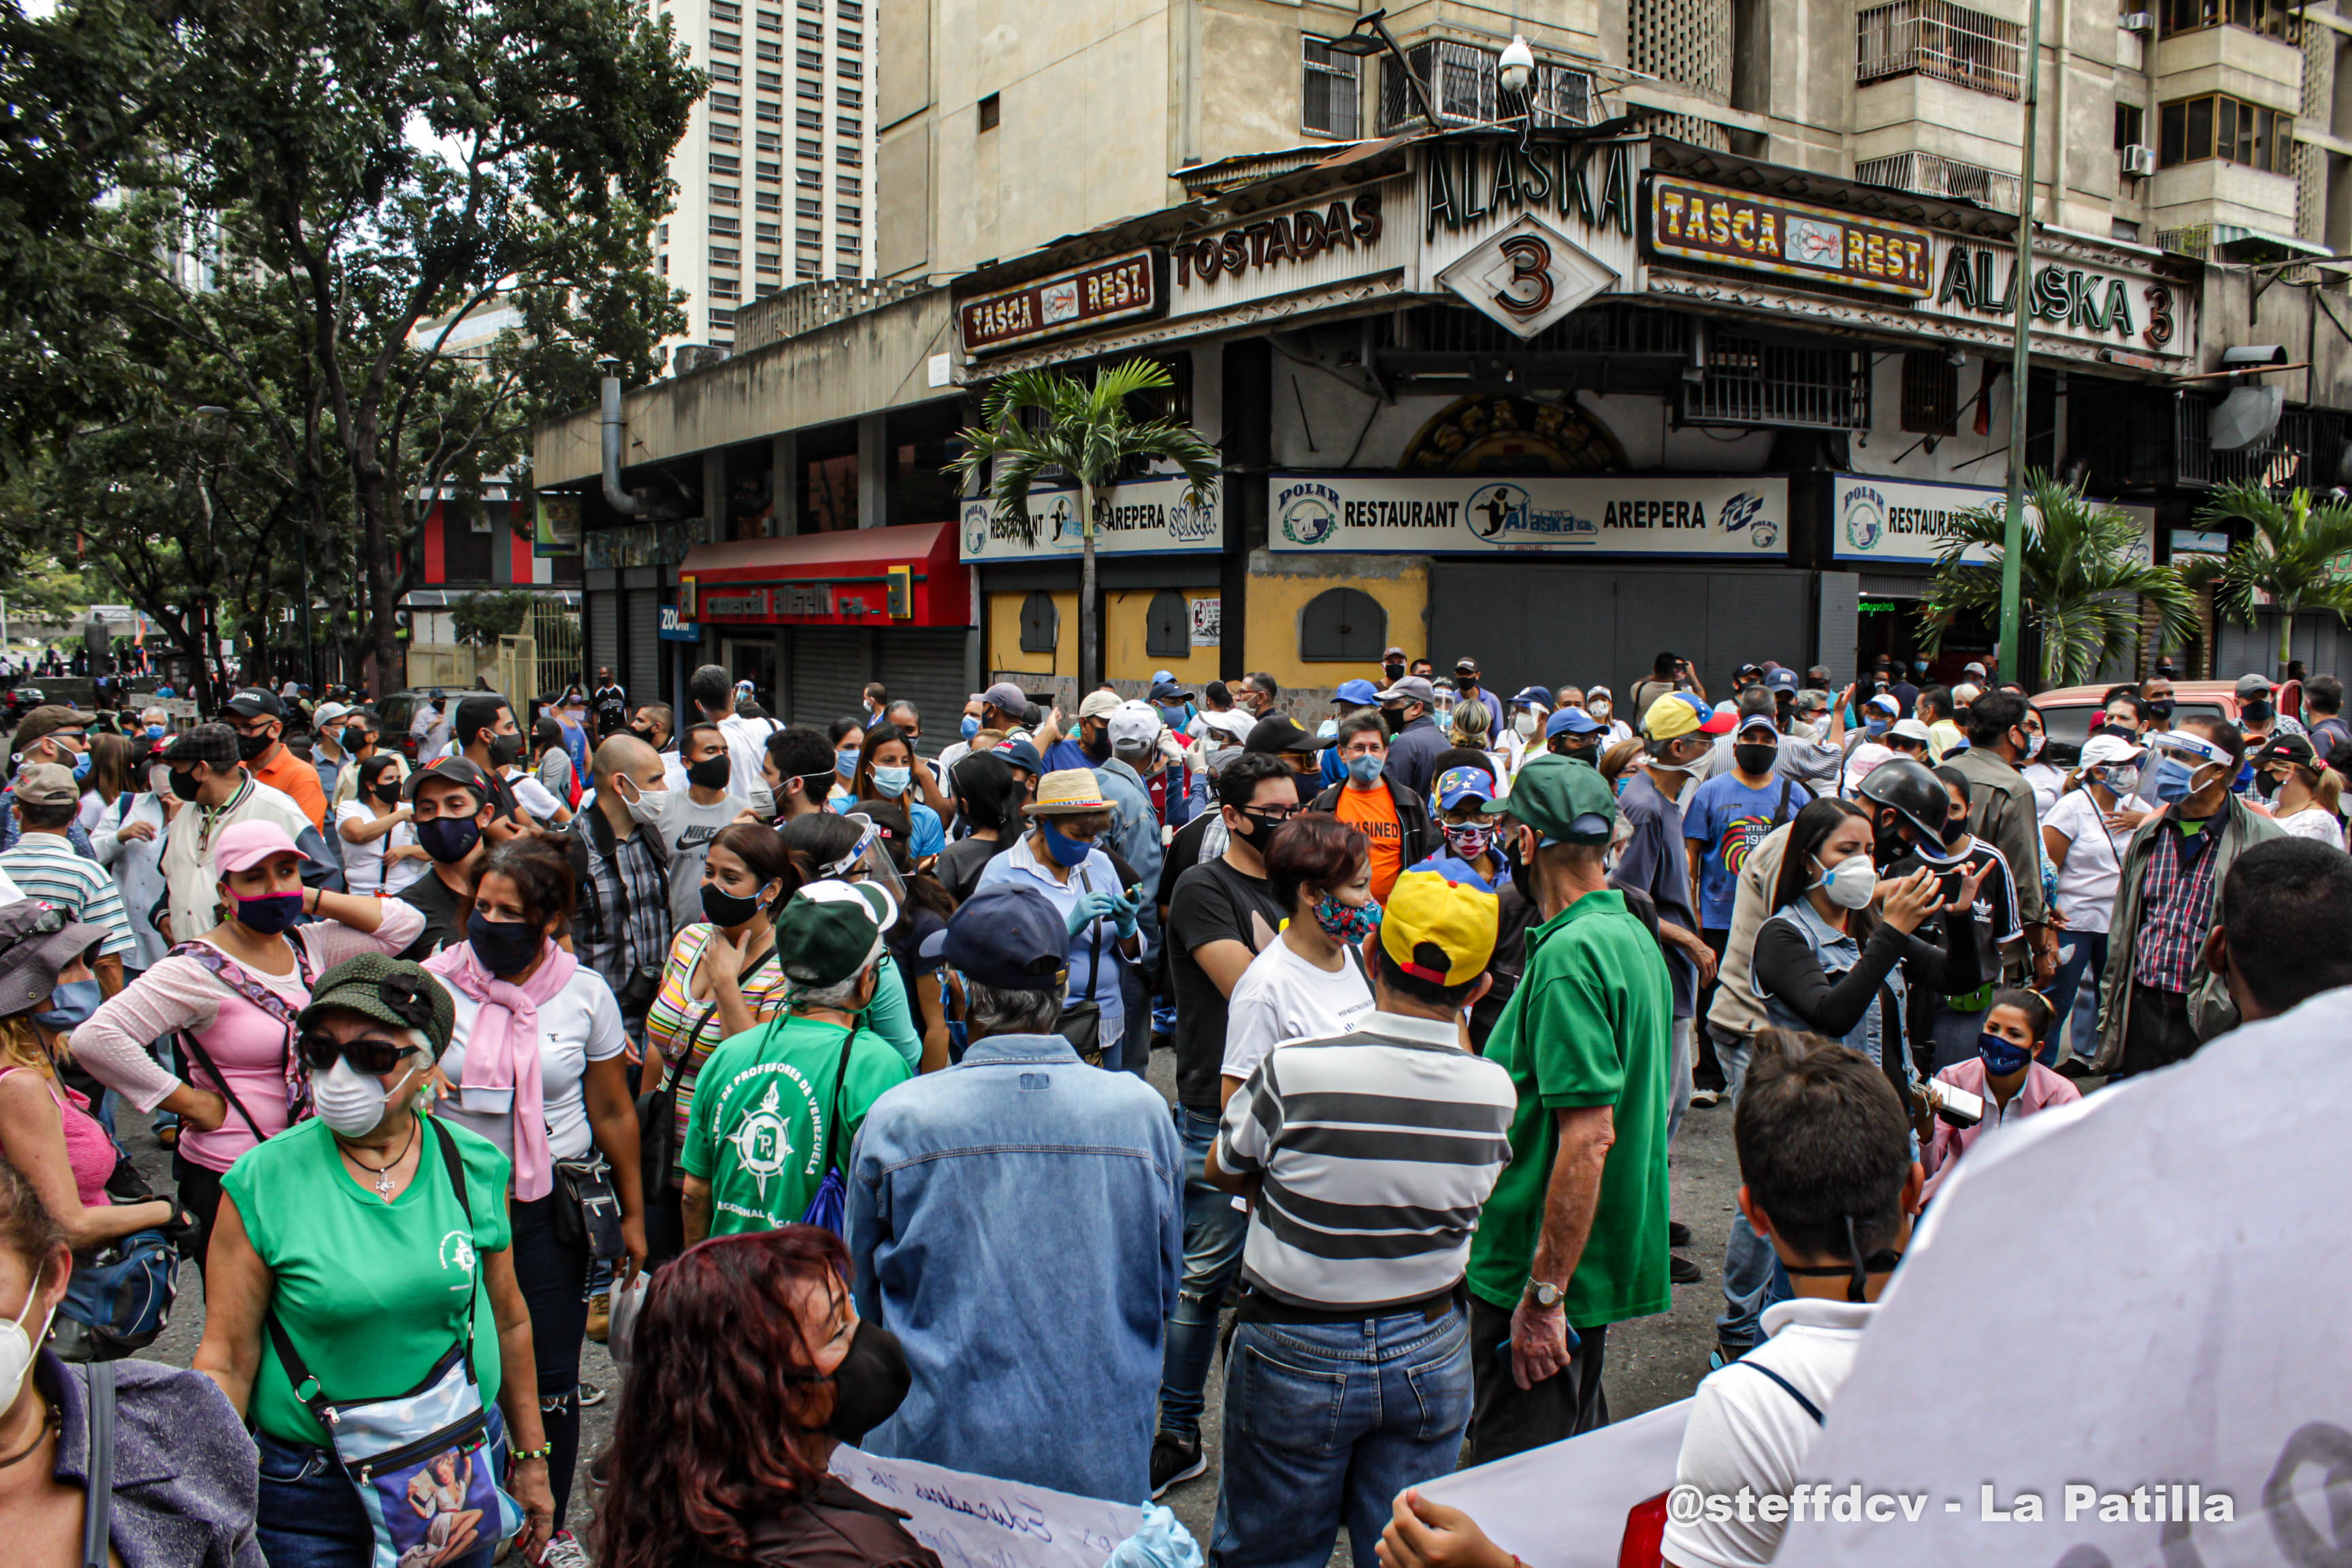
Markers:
point(1838, 953)
point(1135, 836)
point(1018, 1221)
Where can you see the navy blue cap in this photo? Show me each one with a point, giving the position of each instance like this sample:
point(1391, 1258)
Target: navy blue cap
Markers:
point(1780, 681)
point(1020, 753)
point(1165, 690)
point(1533, 697)
point(1005, 935)
point(1362, 693)
point(1571, 721)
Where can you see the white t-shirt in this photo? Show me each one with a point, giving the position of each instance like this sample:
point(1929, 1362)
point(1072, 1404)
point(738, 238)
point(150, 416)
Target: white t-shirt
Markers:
point(2095, 861)
point(1281, 996)
point(533, 796)
point(1746, 1430)
point(683, 832)
point(2047, 783)
point(2314, 823)
point(578, 1024)
point(363, 869)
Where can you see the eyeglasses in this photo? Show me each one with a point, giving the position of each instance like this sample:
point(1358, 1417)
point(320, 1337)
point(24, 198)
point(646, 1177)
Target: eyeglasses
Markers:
point(1271, 813)
point(320, 1050)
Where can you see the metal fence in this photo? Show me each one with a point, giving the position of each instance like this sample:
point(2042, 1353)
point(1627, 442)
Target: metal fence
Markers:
point(1465, 89)
point(1751, 382)
point(1931, 175)
point(1938, 39)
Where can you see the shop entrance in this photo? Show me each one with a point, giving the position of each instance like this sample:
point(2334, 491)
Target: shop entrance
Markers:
point(1891, 624)
point(754, 660)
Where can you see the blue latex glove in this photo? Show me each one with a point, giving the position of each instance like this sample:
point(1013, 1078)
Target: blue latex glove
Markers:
point(1090, 907)
point(1161, 1542)
point(1126, 912)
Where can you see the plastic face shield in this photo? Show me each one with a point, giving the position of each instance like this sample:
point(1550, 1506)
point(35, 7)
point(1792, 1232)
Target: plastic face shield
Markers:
point(867, 860)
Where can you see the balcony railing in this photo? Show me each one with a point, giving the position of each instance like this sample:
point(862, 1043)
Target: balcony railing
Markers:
point(1463, 86)
point(1938, 39)
point(1930, 176)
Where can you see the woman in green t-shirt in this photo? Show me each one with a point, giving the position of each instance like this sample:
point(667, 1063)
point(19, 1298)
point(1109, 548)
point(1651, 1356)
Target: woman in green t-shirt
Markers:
point(350, 1231)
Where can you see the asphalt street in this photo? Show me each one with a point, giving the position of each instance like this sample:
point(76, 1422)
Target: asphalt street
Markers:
point(1652, 1361)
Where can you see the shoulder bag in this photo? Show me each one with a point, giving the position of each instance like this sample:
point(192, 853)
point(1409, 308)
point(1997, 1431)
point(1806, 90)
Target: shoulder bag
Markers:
point(829, 1209)
point(421, 1461)
point(119, 1300)
point(1082, 1021)
point(225, 970)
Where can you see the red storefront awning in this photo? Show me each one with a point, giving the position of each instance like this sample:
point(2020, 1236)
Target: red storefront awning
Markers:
point(845, 578)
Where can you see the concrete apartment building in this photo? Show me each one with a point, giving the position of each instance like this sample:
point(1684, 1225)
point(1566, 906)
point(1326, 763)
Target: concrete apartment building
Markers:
point(1707, 327)
point(775, 172)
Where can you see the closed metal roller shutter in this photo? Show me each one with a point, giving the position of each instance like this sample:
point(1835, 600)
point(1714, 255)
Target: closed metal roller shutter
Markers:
point(644, 609)
point(926, 667)
point(1553, 624)
point(2319, 640)
point(826, 674)
point(605, 633)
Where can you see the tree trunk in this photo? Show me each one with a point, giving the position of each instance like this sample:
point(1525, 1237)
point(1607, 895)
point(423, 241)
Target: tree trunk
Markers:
point(374, 506)
point(2286, 634)
point(1090, 669)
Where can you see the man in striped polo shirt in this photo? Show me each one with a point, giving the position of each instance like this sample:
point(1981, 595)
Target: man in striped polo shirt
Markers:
point(43, 866)
point(1367, 1157)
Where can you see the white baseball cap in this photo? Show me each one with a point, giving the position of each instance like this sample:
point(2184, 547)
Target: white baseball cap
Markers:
point(2101, 750)
point(1133, 726)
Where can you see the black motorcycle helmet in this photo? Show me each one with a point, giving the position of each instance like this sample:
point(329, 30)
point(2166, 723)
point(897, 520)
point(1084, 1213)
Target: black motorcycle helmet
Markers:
point(1917, 799)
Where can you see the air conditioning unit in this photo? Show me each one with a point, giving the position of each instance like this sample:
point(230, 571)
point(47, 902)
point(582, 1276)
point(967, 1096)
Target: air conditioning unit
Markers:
point(2138, 21)
point(2139, 163)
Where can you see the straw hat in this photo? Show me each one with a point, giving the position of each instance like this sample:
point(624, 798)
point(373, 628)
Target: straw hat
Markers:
point(1068, 793)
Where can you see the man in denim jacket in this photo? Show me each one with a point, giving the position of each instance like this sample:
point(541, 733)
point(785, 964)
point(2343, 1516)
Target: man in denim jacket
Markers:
point(1018, 1220)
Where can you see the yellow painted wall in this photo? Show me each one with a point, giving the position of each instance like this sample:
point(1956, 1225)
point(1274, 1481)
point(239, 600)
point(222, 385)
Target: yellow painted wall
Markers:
point(1004, 650)
point(1277, 605)
point(1125, 613)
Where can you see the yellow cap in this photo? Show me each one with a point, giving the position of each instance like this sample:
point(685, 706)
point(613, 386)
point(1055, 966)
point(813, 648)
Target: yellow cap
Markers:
point(1440, 922)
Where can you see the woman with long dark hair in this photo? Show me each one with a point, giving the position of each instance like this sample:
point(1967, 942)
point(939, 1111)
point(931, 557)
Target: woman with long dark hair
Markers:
point(749, 1364)
point(886, 771)
point(988, 800)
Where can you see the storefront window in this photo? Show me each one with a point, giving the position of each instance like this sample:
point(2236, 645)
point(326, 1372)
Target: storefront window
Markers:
point(831, 499)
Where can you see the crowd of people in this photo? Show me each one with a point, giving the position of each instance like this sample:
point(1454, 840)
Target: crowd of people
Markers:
point(824, 1051)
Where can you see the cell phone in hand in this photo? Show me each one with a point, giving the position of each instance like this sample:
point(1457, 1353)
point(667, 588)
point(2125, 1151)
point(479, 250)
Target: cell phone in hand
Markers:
point(1956, 1106)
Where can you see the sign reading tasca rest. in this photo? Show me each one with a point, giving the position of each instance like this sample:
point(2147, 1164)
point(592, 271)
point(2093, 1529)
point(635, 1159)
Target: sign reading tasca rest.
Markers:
point(1764, 234)
point(1122, 289)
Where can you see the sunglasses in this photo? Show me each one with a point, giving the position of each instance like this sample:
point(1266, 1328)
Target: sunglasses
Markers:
point(375, 1057)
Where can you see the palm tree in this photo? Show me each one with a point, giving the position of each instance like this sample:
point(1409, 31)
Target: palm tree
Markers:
point(2298, 556)
point(1035, 423)
point(2081, 582)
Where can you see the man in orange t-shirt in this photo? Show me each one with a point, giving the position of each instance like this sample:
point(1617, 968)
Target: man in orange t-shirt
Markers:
point(260, 720)
point(1391, 816)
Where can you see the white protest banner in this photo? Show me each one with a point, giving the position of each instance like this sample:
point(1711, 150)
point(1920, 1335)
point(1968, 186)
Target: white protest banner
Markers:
point(2119, 1338)
point(1687, 516)
point(1564, 1505)
point(978, 1521)
point(1147, 517)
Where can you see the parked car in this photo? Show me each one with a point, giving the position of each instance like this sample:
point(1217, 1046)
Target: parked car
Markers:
point(398, 710)
point(2069, 711)
point(22, 701)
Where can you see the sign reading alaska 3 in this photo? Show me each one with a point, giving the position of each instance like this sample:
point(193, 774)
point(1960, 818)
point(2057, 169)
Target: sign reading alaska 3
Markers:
point(1688, 515)
point(1147, 517)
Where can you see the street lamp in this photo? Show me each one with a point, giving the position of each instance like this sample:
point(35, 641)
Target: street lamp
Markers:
point(1368, 37)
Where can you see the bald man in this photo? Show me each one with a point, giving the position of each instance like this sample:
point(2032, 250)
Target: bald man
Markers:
point(621, 928)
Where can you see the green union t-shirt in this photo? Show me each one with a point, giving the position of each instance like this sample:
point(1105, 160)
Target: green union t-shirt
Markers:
point(1591, 1024)
point(370, 1292)
point(757, 1130)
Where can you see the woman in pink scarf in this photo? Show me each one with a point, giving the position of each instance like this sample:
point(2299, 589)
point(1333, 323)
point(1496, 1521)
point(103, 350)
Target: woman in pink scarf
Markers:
point(535, 1065)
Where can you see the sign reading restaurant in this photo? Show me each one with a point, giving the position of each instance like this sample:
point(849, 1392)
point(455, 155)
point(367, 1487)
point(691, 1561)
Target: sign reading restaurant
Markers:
point(1147, 517)
point(1743, 517)
point(1122, 289)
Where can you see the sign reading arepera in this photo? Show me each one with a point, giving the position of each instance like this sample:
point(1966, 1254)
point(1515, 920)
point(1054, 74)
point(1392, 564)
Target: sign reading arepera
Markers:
point(1122, 289)
point(1795, 239)
point(1147, 517)
point(1688, 515)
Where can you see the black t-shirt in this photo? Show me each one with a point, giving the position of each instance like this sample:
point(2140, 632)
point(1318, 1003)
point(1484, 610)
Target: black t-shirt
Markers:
point(612, 708)
point(1213, 902)
point(432, 895)
point(1996, 915)
point(1183, 853)
point(959, 866)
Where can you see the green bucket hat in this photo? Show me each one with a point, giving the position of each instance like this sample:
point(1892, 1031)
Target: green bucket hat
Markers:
point(389, 990)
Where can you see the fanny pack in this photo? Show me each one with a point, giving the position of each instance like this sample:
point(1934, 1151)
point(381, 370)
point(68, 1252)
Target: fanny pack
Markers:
point(587, 1209)
point(420, 1461)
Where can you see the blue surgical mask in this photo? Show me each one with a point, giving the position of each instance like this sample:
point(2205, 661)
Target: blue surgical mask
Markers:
point(154, 731)
point(2001, 1057)
point(81, 766)
point(70, 1005)
point(969, 727)
point(846, 764)
point(893, 782)
point(1876, 726)
point(2176, 780)
point(1364, 772)
point(1065, 850)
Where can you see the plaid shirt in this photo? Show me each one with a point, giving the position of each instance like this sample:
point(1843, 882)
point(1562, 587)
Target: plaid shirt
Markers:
point(629, 878)
point(2176, 906)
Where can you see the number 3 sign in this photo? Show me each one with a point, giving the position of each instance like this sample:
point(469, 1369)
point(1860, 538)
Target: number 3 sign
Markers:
point(1528, 276)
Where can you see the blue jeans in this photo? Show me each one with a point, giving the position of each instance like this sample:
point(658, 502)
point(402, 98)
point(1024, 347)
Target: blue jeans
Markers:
point(1326, 1423)
point(1752, 1276)
point(308, 1515)
point(1214, 1229)
point(2076, 990)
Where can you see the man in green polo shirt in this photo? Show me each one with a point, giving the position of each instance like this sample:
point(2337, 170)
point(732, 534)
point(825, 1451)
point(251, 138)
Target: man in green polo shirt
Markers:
point(778, 1106)
point(1574, 1236)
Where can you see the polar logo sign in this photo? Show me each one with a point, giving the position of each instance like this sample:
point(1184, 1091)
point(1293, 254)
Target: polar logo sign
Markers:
point(1308, 513)
point(976, 529)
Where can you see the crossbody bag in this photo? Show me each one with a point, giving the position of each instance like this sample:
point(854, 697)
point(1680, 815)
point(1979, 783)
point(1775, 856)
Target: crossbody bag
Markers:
point(1082, 1018)
point(420, 1461)
point(226, 969)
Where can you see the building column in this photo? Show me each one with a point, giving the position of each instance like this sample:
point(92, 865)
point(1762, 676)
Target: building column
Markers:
point(785, 484)
point(714, 497)
point(873, 470)
point(1247, 378)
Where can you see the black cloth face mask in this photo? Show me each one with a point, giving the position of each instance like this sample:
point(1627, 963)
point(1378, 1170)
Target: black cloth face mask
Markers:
point(869, 1386)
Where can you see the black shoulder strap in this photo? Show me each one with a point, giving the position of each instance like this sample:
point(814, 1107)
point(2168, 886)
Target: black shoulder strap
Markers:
point(1781, 812)
point(194, 1048)
point(98, 1501)
point(1810, 1408)
point(833, 1111)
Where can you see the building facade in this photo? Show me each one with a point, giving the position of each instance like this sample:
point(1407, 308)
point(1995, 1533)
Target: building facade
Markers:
point(774, 173)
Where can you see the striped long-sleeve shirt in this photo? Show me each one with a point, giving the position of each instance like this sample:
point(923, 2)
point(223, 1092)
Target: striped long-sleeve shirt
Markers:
point(44, 866)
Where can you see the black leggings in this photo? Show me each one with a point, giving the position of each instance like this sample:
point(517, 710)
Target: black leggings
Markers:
point(553, 1276)
point(200, 1194)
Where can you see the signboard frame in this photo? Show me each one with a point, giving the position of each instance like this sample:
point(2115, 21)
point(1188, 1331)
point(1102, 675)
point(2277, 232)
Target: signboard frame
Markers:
point(1056, 304)
point(1186, 531)
point(1734, 517)
point(1855, 236)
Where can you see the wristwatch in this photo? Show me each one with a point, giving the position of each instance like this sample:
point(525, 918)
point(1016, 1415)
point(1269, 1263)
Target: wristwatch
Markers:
point(1543, 1294)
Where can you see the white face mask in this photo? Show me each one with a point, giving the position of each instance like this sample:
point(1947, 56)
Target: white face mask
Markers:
point(353, 1102)
point(1525, 723)
point(1851, 882)
point(1597, 709)
point(2032, 745)
point(646, 809)
point(17, 1344)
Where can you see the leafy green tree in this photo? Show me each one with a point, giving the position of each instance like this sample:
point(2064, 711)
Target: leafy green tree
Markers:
point(2297, 555)
point(2082, 581)
point(481, 619)
point(1036, 422)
